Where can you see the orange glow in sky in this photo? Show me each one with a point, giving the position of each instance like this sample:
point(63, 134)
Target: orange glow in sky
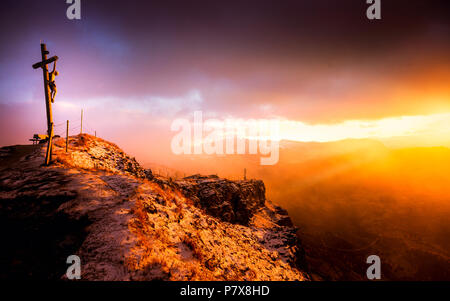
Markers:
point(403, 126)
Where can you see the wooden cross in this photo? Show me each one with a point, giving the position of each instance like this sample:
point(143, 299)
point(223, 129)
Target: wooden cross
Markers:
point(48, 104)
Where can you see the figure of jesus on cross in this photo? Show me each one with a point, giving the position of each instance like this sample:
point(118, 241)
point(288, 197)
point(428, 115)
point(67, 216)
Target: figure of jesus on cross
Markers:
point(51, 82)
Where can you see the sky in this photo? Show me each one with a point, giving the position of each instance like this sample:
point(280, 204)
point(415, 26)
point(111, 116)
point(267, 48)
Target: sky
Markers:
point(320, 66)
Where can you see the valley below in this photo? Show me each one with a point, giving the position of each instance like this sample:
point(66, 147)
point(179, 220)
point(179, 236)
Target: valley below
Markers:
point(354, 198)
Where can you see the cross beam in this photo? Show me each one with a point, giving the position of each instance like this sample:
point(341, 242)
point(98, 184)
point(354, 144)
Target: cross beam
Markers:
point(46, 62)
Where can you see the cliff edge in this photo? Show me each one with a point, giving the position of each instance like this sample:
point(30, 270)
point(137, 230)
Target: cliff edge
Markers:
point(126, 223)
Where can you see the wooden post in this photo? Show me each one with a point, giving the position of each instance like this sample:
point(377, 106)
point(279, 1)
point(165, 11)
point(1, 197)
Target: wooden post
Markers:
point(48, 156)
point(81, 129)
point(48, 104)
point(67, 135)
point(245, 173)
point(95, 134)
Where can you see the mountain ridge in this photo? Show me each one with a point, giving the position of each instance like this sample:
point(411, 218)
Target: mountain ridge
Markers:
point(125, 223)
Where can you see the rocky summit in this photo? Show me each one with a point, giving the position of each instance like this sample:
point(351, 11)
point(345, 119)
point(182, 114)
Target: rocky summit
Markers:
point(126, 223)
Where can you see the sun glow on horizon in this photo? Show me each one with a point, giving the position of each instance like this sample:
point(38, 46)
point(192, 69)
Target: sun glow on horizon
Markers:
point(436, 125)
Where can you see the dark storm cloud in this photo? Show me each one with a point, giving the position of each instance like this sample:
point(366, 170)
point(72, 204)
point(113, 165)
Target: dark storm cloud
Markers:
point(298, 56)
point(281, 46)
point(274, 25)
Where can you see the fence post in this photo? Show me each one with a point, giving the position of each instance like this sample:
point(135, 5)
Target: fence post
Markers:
point(67, 135)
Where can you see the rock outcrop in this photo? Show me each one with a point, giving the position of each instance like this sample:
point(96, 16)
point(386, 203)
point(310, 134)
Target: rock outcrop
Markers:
point(126, 223)
point(88, 154)
point(230, 201)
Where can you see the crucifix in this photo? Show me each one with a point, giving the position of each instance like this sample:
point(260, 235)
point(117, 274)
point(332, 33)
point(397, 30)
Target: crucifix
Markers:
point(50, 92)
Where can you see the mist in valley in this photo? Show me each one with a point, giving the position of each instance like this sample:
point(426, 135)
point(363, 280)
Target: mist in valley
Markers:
point(354, 198)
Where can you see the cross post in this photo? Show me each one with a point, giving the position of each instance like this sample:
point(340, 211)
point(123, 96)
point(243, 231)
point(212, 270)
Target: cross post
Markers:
point(48, 105)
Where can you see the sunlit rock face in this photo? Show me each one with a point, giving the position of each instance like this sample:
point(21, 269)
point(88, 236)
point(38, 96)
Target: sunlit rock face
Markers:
point(231, 201)
point(127, 223)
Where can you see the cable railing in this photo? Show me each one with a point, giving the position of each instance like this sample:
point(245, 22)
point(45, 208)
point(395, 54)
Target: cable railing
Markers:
point(75, 127)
